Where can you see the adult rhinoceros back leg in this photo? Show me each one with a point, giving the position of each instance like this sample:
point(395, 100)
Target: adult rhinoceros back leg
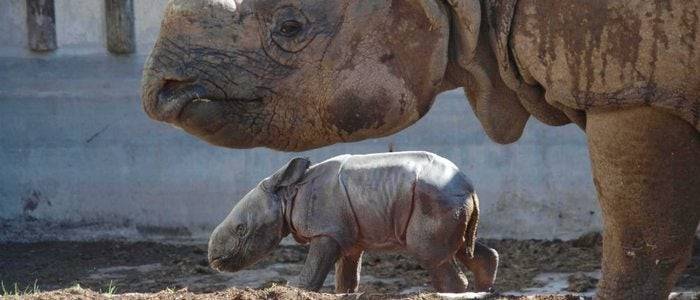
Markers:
point(646, 167)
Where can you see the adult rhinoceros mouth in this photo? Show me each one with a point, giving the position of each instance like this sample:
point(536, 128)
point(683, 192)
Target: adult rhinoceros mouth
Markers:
point(174, 97)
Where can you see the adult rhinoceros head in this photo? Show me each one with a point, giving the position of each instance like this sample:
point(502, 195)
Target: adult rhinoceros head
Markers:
point(300, 74)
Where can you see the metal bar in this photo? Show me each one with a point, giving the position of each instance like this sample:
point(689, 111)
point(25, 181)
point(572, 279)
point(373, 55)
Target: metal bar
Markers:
point(120, 26)
point(41, 25)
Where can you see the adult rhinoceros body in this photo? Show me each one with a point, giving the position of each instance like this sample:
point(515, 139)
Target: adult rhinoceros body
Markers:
point(300, 74)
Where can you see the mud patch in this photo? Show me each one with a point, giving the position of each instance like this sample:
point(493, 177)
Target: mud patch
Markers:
point(274, 292)
point(527, 268)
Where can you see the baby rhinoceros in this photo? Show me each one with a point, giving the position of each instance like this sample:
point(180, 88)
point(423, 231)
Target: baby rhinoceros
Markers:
point(417, 202)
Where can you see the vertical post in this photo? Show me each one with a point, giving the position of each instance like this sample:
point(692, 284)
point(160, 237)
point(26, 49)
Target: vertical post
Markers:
point(120, 26)
point(41, 25)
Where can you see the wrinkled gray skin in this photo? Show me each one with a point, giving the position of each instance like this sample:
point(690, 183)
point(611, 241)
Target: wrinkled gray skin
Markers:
point(417, 202)
point(300, 74)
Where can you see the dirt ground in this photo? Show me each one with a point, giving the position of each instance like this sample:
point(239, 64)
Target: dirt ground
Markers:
point(181, 271)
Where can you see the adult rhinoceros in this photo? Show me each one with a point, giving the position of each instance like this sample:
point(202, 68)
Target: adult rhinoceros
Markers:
point(301, 74)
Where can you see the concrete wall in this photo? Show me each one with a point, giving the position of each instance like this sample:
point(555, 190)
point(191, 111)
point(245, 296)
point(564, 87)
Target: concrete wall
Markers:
point(79, 159)
point(77, 150)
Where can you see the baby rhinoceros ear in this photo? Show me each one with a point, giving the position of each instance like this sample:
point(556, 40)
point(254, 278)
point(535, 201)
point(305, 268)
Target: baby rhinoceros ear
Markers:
point(290, 174)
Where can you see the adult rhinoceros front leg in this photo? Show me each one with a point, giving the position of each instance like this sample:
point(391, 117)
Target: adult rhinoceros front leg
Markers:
point(646, 165)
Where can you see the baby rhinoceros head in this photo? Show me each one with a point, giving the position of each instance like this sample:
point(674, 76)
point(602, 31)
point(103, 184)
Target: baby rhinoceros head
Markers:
point(256, 224)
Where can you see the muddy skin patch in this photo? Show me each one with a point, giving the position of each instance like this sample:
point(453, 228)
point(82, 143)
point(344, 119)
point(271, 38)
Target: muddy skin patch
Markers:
point(425, 202)
point(351, 113)
point(386, 57)
point(425, 198)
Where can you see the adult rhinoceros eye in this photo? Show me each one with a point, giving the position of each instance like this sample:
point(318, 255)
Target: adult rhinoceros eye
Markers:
point(290, 28)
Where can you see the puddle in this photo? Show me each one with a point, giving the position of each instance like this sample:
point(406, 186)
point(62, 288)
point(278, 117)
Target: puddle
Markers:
point(556, 283)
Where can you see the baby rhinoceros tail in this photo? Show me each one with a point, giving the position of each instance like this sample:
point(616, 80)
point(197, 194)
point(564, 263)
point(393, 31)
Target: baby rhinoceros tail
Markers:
point(477, 257)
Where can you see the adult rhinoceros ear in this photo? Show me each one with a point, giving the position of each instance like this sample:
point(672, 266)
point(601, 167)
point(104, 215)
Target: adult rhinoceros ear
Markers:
point(290, 174)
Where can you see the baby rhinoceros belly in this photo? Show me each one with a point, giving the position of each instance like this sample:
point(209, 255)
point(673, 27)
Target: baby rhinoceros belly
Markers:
point(399, 199)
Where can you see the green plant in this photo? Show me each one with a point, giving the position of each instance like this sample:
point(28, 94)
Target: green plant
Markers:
point(15, 290)
point(111, 288)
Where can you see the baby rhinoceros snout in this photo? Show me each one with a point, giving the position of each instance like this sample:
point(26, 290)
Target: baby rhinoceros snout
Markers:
point(220, 252)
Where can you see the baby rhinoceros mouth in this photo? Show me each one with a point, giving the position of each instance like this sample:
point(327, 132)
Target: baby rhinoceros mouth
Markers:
point(224, 263)
point(231, 262)
point(217, 263)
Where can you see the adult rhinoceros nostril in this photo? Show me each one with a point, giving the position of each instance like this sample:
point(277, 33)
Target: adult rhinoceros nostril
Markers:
point(173, 96)
point(174, 90)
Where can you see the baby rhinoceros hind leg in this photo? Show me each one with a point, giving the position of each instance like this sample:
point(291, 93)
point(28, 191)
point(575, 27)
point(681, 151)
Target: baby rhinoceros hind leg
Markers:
point(437, 231)
point(447, 278)
point(483, 265)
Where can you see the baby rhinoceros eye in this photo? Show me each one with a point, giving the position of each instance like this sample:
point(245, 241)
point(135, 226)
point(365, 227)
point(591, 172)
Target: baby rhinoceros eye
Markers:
point(239, 230)
point(290, 28)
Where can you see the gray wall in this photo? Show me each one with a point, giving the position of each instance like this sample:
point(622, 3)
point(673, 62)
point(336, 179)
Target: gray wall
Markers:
point(79, 159)
point(77, 150)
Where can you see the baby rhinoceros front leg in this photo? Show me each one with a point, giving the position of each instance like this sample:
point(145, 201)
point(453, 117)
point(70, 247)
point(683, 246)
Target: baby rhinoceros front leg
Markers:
point(323, 253)
point(347, 273)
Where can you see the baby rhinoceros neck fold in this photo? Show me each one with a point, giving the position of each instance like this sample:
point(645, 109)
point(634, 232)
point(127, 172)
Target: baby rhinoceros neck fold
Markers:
point(286, 197)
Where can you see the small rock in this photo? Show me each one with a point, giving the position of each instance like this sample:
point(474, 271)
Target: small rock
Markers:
point(579, 282)
point(203, 270)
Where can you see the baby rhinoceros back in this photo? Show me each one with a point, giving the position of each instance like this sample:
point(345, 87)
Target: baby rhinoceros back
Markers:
point(393, 193)
point(416, 202)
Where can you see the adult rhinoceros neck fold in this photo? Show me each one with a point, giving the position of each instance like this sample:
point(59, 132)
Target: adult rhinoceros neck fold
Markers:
point(473, 66)
point(499, 19)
